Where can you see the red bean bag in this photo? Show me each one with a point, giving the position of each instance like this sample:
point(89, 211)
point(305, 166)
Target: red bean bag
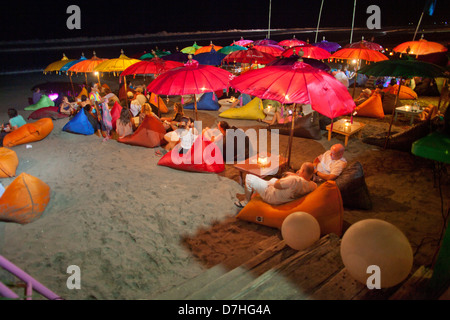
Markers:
point(371, 108)
point(149, 134)
point(324, 204)
point(24, 200)
point(115, 114)
point(204, 156)
point(8, 163)
point(49, 112)
point(29, 132)
point(405, 92)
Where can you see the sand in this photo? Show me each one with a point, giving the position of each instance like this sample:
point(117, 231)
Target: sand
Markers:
point(137, 229)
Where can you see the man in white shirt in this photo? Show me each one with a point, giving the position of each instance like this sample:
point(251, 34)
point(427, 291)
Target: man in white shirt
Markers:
point(185, 136)
point(329, 165)
point(341, 77)
point(278, 191)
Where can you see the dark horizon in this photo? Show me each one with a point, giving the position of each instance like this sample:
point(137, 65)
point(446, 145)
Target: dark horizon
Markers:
point(47, 20)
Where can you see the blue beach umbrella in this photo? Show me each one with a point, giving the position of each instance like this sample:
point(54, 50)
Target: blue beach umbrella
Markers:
point(212, 58)
point(67, 66)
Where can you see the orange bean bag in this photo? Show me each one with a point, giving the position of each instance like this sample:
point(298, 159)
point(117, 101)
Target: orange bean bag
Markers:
point(162, 106)
point(29, 132)
point(24, 200)
point(405, 92)
point(83, 93)
point(372, 107)
point(324, 204)
point(149, 134)
point(8, 163)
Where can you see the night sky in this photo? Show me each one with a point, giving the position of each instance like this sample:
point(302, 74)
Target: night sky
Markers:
point(45, 19)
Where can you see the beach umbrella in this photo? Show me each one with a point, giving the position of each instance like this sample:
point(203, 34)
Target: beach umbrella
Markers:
point(67, 66)
point(176, 56)
point(207, 48)
point(212, 58)
point(291, 42)
point(232, 48)
point(298, 83)
point(282, 61)
point(272, 49)
point(57, 65)
point(329, 46)
point(192, 78)
point(249, 56)
point(154, 66)
point(242, 42)
point(191, 49)
point(309, 51)
point(365, 44)
point(154, 54)
point(420, 47)
point(403, 69)
point(264, 42)
point(87, 66)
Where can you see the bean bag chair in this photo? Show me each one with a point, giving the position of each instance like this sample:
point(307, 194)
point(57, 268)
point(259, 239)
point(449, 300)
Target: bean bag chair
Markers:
point(82, 93)
point(24, 200)
point(149, 134)
point(324, 204)
point(49, 112)
point(79, 124)
point(29, 132)
point(305, 127)
point(371, 108)
point(154, 103)
point(251, 111)
point(44, 102)
point(403, 141)
point(353, 188)
point(115, 114)
point(389, 104)
point(405, 92)
point(204, 156)
point(208, 101)
point(8, 163)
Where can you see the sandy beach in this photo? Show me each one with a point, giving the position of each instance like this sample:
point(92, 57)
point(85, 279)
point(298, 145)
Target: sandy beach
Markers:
point(137, 229)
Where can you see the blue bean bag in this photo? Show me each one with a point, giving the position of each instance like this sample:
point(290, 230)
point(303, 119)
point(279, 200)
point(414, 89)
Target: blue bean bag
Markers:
point(79, 124)
point(206, 102)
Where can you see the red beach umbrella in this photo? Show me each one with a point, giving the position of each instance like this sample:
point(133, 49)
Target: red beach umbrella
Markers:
point(272, 49)
point(192, 78)
point(299, 83)
point(309, 51)
point(153, 66)
point(291, 42)
point(249, 56)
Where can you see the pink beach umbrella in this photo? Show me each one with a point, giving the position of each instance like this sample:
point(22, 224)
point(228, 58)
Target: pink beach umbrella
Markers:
point(309, 51)
point(299, 83)
point(242, 42)
point(272, 49)
point(192, 78)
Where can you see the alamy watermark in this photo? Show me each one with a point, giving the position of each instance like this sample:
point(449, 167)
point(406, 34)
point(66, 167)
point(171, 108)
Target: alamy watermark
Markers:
point(374, 20)
point(74, 20)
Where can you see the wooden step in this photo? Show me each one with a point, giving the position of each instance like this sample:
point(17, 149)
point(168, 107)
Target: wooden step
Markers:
point(184, 290)
point(298, 276)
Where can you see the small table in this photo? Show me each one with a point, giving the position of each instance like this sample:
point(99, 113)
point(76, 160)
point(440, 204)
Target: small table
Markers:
point(226, 104)
point(252, 166)
point(407, 110)
point(345, 128)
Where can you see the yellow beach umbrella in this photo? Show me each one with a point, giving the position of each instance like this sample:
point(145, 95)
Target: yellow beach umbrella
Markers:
point(116, 65)
point(57, 65)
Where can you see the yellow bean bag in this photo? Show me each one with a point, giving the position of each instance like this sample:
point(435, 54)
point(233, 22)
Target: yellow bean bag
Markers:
point(251, 111)
point(405, 92)
point(83, 93)
point(324, 203)
point(162, 106)
point(24, 200)
point(372, 107)
point(8, 163)
point(29, 132)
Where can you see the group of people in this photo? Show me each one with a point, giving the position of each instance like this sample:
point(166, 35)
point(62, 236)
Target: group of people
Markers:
point(327, 166)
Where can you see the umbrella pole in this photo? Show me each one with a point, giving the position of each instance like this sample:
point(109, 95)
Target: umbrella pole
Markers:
point(392, 117)
point(440, 97)
point(291, 135)
point(73, 90)
point(159, 109)
point(98, 76)
point(85, 76)
point(195, 107)
point(126, 93)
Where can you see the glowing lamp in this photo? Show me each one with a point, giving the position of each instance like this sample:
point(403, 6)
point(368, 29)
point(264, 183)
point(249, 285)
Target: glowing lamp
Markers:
point(53, 96)
point(407, 108)
point(263, 161)
point(347, 126)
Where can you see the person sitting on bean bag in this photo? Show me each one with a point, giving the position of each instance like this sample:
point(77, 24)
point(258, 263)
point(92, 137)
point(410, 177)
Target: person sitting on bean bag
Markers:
point(278, 191)
point(185, 135)
point(329, 165)
point(15, 122)
point(124, 126)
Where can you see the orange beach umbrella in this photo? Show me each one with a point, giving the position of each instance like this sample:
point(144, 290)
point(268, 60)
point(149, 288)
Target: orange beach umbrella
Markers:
point(420, 47)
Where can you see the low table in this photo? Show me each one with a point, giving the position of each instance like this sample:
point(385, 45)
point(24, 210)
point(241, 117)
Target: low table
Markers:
point(407, 111)
point(226, 104)
point(252, 166)
point(345, 128)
